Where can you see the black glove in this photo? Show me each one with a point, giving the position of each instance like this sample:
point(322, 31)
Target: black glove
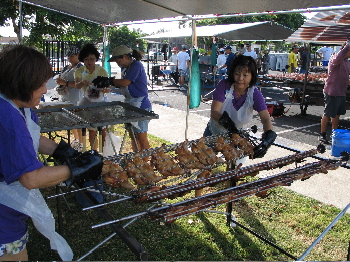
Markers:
point(63, 152)
point(227, 123)
point(84, 167)
point(267, 139)
point(103, 81)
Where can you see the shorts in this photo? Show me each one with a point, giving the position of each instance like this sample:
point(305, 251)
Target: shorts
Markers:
point(143, 125)
point(334, 105)
point(14, 247)
point(183, 72)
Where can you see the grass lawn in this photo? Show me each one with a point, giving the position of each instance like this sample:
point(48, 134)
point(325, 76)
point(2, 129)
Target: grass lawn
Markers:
point(288, 219)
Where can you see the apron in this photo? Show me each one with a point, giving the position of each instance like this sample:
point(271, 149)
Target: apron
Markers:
point(134, 101)
point(31, 202)
point(240, 117)
point(91, 93)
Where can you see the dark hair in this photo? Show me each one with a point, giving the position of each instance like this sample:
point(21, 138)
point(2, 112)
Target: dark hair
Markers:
point(135, 54)
point(22, 71)
point(86, 50)
point(243, 61)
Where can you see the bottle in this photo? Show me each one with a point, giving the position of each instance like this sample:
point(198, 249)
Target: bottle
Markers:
point(165, 103)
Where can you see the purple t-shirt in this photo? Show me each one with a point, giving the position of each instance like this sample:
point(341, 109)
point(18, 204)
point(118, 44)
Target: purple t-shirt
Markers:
point(138, 86)
point(225, 86)
point(17, 156)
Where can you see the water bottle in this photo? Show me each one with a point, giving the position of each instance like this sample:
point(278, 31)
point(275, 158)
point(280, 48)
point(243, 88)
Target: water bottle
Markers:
point(165, 103)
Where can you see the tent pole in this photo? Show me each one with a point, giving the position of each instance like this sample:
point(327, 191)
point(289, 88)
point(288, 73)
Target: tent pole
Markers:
point(20, 6)
point(194, 44)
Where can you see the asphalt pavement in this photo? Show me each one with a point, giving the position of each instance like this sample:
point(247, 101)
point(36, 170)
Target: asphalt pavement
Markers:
point(176, 123)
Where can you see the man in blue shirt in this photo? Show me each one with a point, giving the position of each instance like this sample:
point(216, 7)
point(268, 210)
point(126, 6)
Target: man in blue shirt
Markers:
point(229, 59)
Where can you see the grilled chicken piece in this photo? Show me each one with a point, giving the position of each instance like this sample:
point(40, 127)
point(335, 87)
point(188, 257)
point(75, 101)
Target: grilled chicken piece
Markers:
point(140, 171)
point(243, 144)
point(115, 176)
point(229, 152)
point(186, 158)
point(165, 164)
point(205, 154)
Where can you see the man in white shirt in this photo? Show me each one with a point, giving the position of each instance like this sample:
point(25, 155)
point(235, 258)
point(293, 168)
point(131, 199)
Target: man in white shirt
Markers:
point(172, 61)
point(325, 53)
point(220, 61)
point(183, 64)
point(250, 52)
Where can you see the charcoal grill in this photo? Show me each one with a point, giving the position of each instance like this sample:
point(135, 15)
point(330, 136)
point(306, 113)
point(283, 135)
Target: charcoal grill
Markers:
point(284, 171)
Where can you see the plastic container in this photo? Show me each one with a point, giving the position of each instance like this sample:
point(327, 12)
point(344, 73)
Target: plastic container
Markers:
point(340, 141)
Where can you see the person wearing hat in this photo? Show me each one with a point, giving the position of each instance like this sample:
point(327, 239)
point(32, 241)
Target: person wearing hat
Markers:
point(229, 59)
point(67, 90)
point(220, 61)
point(133, 86)
point(250, 52)
point(292, 59)
point(173, 59)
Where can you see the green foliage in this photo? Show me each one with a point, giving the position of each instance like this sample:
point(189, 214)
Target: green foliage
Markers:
point(123, 36)
point(43, 24)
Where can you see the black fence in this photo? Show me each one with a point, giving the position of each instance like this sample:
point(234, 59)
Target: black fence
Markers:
point(56, 52)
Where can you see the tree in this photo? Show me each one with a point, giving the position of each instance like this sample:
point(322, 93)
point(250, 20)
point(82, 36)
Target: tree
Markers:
point(43, 24)
point(123, 36)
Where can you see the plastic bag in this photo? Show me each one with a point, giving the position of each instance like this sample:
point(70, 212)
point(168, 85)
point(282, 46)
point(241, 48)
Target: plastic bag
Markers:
point(111, 141)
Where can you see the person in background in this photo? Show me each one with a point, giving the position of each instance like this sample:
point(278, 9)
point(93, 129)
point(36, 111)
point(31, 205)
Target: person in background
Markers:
point(133, 86)
point(230, 56)
point(183, 65)
point(220, 61)
point(335, 89)
point(292, 59)
point(304, 60)
point(325, 53)
point(83, 80)
point(68, 91)
point(239, 97)
point(265, 62)
point(241, 49)
point(250, 52)
point(24, 73)
point(173, 59)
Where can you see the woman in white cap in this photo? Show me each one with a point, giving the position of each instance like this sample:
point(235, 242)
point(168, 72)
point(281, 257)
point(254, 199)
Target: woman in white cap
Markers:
point(133, 86)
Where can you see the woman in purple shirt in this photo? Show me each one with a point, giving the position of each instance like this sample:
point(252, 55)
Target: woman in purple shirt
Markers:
point(23, 76)
point(238, 96)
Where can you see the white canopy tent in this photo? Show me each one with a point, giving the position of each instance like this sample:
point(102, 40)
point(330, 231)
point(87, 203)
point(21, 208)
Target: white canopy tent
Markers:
point(328, 27)
point(246, 31)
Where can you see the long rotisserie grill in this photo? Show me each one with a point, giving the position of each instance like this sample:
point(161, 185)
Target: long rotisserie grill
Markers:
point(200, 175)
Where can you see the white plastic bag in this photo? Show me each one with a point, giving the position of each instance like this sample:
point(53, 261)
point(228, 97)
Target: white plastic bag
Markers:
point(111, 141)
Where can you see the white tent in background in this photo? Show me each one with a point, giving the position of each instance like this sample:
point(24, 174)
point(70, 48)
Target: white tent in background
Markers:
point(247, 31)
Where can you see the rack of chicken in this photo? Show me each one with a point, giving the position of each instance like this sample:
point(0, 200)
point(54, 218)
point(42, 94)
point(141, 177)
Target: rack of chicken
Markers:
point(171, 163)
point(170, 212)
